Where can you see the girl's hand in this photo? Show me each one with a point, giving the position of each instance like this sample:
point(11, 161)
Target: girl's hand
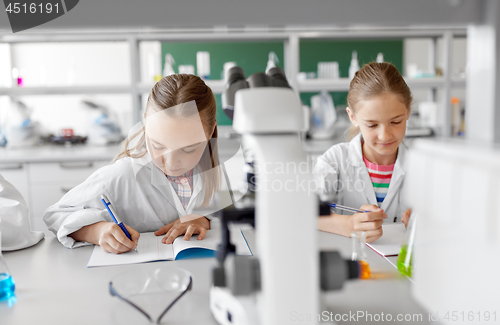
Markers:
point(113, 240)
point(198, 225)
point(369, 222)
point(406, 217)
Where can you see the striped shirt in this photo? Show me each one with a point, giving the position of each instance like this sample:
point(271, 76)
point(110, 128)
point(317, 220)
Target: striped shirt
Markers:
point(380, 176)
point(183, 186)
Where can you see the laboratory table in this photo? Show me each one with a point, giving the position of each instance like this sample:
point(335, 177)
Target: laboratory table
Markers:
point(54, 286)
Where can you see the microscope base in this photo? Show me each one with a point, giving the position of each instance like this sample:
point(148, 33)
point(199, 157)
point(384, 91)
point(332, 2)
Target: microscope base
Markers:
point(230, 310)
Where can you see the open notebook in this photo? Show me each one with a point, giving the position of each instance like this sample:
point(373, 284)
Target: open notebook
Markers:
point(150, 248)
point(390, 242)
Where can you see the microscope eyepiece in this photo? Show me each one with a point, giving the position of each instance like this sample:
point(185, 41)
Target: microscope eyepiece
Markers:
point(259, 79)
point(234, 74)
point(235, 81)
point(278, 77)
point(275, 77)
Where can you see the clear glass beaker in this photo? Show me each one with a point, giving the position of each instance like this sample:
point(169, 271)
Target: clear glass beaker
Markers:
point(405, 257)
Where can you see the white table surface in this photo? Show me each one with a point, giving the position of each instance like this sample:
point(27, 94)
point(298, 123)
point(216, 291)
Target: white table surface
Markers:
point(54, 286)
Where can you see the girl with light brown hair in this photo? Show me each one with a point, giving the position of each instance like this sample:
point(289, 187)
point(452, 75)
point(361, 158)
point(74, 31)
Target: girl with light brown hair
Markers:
point(368, 171)
point(168, 168)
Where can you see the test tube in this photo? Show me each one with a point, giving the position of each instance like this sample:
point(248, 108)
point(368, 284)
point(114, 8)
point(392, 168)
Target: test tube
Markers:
point(405, 257)
point(7, 286)
point(358, 239)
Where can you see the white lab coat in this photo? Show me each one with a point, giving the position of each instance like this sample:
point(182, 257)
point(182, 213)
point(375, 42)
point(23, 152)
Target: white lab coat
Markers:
point(140, 193)
point(14, 219)
point(344, 179)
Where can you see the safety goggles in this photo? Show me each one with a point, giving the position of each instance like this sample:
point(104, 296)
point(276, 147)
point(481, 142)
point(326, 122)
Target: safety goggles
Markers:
point(130, 285)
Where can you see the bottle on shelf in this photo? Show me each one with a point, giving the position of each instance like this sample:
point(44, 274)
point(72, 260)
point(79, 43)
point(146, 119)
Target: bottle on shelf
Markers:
point(203, 64)
point(186, 69)
point(18, 80)
point(154, 67)
point(167, 68)
point(354, 67)
point(380, 58)
point(272, 60)
point(456, 117)
point(328, 70)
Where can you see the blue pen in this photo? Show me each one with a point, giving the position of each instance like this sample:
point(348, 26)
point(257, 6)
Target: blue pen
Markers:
point(114, 215)
point(341, 207)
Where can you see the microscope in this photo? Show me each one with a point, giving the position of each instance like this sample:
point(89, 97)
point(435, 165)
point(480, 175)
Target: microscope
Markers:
point(289, 273)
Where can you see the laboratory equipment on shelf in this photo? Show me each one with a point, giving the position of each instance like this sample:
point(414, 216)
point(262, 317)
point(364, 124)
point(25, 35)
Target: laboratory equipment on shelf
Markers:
point(256, 290)
point(457, 117)
point(3, 140)
point(104, 129)
point(19, 129)
point(328, 70)
point(323, 116)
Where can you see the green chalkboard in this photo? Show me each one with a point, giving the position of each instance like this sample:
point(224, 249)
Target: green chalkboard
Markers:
point(251, 56)
point(314, 51)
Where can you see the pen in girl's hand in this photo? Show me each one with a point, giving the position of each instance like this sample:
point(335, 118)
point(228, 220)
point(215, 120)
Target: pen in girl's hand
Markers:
point(341, 207)
point(114, 216)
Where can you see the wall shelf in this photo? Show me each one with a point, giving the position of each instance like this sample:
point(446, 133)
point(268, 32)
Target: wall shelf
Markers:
point(217, 86)
point(342, 84)
point(291, 39)
point(66, 90)
point(315, 85)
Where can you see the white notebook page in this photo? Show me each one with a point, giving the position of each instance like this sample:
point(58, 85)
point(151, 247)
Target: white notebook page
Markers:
point(150, 248)
point(390, 242)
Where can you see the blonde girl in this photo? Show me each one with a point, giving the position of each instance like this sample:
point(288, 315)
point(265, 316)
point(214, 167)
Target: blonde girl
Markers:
point(368, 171)
point(166, 170)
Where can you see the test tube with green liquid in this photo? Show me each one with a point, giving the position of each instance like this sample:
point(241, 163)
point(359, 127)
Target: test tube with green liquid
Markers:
point(405, 257)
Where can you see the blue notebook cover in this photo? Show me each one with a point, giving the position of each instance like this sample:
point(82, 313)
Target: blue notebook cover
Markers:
point(195, 252)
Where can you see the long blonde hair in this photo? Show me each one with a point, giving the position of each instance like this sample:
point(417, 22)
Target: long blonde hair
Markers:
point(372, 80)
point(171, 91)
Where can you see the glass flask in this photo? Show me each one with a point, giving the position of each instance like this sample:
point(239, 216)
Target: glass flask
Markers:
point(7, 286)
